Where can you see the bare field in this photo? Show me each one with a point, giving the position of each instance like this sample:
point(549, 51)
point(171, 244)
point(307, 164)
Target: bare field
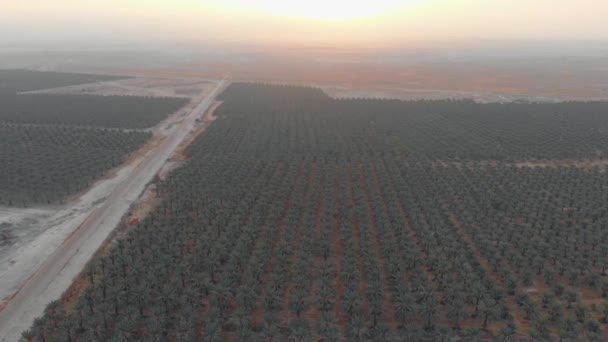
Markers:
point(14, 224)
point(498, 81)
point(417, 94)
point(138, 86)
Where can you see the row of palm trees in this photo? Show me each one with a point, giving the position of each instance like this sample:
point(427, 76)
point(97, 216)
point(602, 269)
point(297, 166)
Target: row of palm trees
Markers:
point(87, 110)
point(538, 227)
point(44, 164)
point(52, 146)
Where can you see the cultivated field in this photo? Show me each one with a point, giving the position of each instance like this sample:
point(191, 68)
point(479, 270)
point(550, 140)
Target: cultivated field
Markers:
point(298, 216)
point(53, 146)
point(45, 164)
point(54, 242)
point(52, 149)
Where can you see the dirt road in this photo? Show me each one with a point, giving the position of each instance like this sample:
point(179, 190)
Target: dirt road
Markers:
point(57, 272)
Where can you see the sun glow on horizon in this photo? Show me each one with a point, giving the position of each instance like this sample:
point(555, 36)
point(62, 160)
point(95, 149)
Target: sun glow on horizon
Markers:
point(366, 23)
point(334, 10)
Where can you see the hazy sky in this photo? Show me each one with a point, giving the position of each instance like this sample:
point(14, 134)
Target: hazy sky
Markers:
point(336, 23)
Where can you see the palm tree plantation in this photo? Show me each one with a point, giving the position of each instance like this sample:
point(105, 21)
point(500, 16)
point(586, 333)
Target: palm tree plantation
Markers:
point(300, 217)
point(53, 146)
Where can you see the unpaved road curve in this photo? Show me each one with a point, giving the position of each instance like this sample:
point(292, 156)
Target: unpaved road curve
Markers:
point(58, 271)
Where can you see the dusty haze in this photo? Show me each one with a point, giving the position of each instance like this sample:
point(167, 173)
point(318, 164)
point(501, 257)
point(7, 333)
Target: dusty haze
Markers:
point(516, 48)
point(383, 23)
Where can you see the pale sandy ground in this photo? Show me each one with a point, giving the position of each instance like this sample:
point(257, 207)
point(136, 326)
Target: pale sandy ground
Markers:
point(44, 230)
point(341, 92)
point(588, 164)
point(14, 224)
point(36, 271)
point(138, 86)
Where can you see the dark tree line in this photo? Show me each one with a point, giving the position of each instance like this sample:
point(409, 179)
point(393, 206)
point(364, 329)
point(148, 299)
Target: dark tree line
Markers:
point(87, 110)
point(18, 80)
point(450, 129)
